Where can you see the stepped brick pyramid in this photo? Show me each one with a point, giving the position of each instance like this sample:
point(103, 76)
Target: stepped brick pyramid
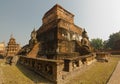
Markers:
point(58, 37)
point(59, 48)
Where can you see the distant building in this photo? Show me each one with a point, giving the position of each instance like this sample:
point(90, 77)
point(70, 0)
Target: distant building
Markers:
point(2, 48)
point(12, 47)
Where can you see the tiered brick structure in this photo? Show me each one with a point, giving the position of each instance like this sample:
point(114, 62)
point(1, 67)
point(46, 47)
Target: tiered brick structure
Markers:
point(12, 47)
point(59, 37)
point(59, 48)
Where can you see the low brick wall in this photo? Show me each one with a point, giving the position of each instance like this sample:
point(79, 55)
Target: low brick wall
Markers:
point(113, 52)
point(73, 66)
point(57, 71)
point(102, 56)
point(50, 69)
point(117, 52)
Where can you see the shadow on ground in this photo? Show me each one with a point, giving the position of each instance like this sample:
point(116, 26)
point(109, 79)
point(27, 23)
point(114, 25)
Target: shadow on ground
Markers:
point(36, 78)
point(1, 56)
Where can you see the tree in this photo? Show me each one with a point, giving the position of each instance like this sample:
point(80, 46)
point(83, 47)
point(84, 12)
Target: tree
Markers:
point(113, 39)
point(106, 46)
point(97, 43)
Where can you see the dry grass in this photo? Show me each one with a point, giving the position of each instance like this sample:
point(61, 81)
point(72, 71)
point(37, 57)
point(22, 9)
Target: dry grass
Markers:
point(19, 75)
point(99, 73)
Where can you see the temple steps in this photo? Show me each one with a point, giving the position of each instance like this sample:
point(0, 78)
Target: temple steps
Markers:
point(33, 53)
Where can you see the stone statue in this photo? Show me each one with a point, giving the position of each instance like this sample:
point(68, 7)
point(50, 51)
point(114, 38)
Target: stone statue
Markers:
point(33, 35)
point(85, 39)
point(85, 43)
point(33, 39)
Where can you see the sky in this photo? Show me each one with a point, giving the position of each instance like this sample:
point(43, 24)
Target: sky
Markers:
point(100, 18)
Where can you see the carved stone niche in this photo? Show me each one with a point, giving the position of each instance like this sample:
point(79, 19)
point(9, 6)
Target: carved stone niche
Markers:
point(39, 67)
point(49, 69)
point(71, 64)
point(75, 63)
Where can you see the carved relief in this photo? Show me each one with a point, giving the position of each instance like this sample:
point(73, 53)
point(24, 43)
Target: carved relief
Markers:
point(49, 69)
point(75, 64)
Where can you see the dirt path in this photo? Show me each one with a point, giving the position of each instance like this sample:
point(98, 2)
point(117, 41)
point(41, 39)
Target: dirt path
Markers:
point(115, 78)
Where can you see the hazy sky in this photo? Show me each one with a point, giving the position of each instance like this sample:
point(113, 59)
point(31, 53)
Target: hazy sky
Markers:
point(100, 18)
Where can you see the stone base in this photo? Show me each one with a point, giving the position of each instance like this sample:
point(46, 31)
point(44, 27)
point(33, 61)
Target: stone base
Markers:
point(57, 71)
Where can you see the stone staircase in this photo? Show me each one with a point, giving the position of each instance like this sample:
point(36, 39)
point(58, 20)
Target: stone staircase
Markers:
point(33, 53)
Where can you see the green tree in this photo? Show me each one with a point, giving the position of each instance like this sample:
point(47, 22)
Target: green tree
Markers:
point(105, 43)
point(97, 43)
point(113, 38)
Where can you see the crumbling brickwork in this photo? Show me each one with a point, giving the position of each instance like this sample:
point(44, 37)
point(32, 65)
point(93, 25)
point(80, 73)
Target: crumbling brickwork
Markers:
point(58, 34)
point(12, 47)
point(59, 48)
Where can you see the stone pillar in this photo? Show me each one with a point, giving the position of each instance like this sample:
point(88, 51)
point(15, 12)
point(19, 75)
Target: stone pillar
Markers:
point(58, 73)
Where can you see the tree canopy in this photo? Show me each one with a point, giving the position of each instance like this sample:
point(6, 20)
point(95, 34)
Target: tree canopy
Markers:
point(113, 41)
point(97, 43)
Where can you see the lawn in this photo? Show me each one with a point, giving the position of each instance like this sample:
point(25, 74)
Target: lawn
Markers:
point(19, 75)
point(97, 73)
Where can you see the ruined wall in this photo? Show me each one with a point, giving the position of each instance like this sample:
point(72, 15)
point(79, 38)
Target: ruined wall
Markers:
point(12, 47)
point(48, 40)
point(57, 12)
point(58, 36)
point(57, 33)
point(57, 71)
point(50, 69)
point(2, 48)
point(64, 14)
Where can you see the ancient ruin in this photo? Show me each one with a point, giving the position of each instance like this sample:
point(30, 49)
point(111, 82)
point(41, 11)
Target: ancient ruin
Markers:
point(12, 47)
point(59, 48)
point(2, 48)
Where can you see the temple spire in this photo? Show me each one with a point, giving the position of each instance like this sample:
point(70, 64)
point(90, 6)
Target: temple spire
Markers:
point(34, 28)
point(11, 36)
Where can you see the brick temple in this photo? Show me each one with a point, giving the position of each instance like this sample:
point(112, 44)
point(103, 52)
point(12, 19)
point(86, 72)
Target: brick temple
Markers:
point(59, 48)
point(58, 37)
point(12, 47)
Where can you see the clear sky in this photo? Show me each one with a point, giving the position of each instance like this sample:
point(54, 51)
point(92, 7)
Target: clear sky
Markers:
point(100, 18)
